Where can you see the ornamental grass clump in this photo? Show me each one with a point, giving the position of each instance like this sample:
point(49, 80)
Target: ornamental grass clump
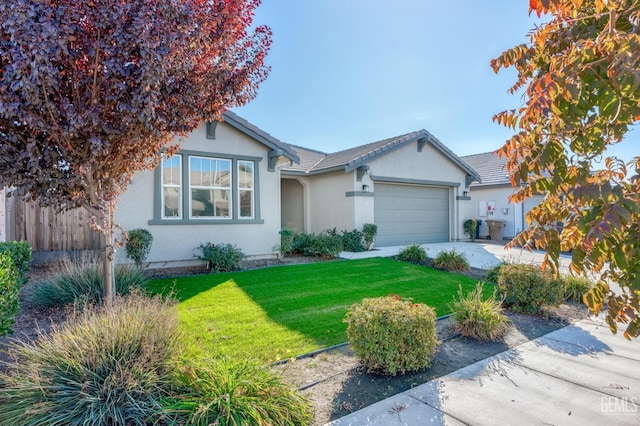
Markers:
point(451, 261)
point(223, 391)
point(391, 335)
point(477, 317)
point(527, 288)
point(81, 281)
point(575, 287)
point(110, 366)
point(413, 253)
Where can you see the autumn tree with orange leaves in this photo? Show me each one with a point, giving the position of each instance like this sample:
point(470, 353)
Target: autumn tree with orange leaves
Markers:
point(92, 91)
point(580, 74)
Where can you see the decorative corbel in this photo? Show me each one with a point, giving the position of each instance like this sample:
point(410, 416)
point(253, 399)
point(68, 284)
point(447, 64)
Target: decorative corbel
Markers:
point(274, 154)
point(421, 143)
point(211, 129)
point(361, 171)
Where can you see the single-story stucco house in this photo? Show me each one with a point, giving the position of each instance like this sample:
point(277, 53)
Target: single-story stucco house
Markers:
point(232, 182)
point(490, 195)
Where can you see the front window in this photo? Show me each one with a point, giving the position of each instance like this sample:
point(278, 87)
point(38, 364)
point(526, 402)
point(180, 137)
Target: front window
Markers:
point(172, 187)
point(210, 184)
point(245, 189)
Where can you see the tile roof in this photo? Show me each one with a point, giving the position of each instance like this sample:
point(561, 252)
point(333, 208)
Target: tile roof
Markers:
point(490, 166)
point(312, 162)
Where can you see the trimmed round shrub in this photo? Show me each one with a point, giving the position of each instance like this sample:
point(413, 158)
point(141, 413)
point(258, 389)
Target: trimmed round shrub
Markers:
point(391, 335)
point(112, 366)
point(451, 261)
point(236, 392)
point(574, 287)
point(20, 253)
point(138, 245)
point(82, 281)
point(369, 232)
point(478, 317)
point(9, 289)
point(526, 288)
point(413, 253)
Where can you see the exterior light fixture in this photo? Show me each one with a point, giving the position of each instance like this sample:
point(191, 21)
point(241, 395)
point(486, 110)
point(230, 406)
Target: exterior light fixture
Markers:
point(365, 188)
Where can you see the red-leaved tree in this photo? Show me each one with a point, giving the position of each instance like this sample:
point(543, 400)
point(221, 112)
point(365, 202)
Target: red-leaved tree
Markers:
point(92, 91)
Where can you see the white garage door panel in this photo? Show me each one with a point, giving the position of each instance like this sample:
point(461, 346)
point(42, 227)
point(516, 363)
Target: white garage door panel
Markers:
point(408, 214)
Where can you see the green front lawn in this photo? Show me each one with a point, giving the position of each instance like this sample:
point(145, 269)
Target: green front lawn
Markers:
point(284, 311)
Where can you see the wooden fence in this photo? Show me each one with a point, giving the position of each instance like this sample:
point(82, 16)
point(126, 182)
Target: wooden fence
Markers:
point(47, 230)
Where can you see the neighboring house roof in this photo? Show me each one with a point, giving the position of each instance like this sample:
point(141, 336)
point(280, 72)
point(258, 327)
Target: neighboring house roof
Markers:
point(251, 130)
point(491, 167)
point(315, 162)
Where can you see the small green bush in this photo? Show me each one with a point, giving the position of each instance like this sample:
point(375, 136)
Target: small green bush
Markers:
point(391, 335)
point(9, 290)
point(413, 253)
point(353, 241)
point(20, 254)
point(138, 245)
point(82, 281)
point(231, 392)
point(527, 288)
point(451, 261)
point(222, 257)
point(286, 241)
point(574, 287)
point(470, 226)
point(479, 318)
point(369, 232)
point(110, 366)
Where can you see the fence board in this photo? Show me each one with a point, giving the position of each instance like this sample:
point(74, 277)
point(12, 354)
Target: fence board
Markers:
point(47, 230)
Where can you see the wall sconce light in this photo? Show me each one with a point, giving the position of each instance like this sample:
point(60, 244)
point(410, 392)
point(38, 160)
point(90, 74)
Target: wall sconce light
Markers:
point(365, 188)
point(465, 193)
point(505, 210)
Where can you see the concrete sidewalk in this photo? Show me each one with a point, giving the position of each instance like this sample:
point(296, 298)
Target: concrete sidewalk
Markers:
point(578, 375)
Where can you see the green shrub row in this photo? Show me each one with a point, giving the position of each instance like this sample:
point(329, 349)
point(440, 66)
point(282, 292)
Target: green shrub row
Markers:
point(328, 243)
point(122, 366)
point(20, 254)
point(221, 257)
point(9, 290)
point(391, 335)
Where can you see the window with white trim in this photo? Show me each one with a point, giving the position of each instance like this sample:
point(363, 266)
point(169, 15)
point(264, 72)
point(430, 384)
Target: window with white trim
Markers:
point(171, 172)
point(245, 190)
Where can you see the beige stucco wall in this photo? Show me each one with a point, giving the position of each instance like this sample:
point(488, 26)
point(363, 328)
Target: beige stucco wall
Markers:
point(176, 243)
point(428, 165)
point(329, 207)
point(500, 195)
point(292, 204)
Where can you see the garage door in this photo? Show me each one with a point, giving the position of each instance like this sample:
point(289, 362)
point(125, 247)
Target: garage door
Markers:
point(409, 214)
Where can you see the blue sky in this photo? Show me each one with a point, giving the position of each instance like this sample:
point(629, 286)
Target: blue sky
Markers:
point(349, 72)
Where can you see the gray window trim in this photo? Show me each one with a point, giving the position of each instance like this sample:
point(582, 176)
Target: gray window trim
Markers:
point(234, 220)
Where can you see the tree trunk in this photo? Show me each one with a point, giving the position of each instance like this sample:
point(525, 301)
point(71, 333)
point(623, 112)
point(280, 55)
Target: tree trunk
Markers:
point(109, 283)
